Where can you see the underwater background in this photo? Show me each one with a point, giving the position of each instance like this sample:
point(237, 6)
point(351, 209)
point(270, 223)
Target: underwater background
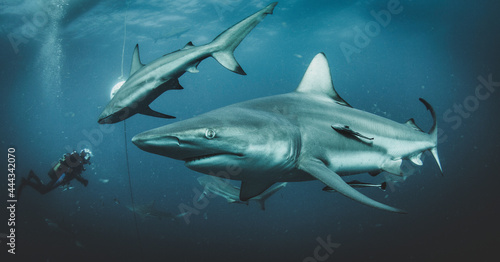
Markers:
point(60, 59)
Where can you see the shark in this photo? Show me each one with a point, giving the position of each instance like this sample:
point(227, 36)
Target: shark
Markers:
point(311, 133)
point(222, 187)
point(148, 82)
point(149, 210)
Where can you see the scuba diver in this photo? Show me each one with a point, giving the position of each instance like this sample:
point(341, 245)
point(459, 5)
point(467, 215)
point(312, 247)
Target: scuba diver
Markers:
point(69, 167)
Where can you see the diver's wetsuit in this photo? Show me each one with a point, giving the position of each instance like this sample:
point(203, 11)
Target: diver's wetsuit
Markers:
point(68, 168)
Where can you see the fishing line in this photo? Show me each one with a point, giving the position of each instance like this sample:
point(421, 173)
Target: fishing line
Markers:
point(126, 140)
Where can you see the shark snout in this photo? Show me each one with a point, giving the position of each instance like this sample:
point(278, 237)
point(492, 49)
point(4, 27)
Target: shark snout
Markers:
point(157, 144)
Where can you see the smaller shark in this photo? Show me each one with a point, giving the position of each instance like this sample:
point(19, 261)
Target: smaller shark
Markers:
point(64, 231)
point(149, 210)
point(223, 188)
point(147, 82)
point(356, 183)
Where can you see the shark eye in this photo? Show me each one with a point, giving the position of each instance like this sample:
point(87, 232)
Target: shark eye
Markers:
point(210, 133)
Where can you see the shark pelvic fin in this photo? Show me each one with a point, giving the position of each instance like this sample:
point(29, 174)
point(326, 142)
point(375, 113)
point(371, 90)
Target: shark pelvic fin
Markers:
point(318, 80)
point(136, 61)
point(318, 170)
point(393, 167)
point(251, 189)
point(150, 112)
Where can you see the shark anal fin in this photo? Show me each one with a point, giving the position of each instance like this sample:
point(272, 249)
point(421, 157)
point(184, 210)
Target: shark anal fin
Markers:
point(317, 169)
point(346, 130)
point(150, 112)
point(417, 159)
point(251, 189)
point(136, 61)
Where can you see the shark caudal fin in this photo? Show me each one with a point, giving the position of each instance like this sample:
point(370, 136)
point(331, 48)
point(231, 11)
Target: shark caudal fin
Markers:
point(433, 132)
point(227, 41)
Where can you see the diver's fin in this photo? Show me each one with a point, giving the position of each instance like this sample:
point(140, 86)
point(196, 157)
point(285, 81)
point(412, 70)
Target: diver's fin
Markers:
point(317, 169)
point(251, 189)
point(136, 61)
point(346, 130)
point(150, 112)
point(393, 167)
point(318, 80)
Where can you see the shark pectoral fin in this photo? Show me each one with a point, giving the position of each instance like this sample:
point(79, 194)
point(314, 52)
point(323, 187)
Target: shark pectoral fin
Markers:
point(393, 167)
point(150, 112)
point(136, 61)
point(318, 170)
point(251, 189)
point(227, 60)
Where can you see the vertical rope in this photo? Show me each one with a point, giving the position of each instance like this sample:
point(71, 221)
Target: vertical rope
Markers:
point(124, 38)
point(130, 188)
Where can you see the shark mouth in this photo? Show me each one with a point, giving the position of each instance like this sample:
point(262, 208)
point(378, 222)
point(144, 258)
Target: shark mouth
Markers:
point(191, 160)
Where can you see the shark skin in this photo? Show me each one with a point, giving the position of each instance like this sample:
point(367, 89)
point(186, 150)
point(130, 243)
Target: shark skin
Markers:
point(148, 82)
point(222, 188)
point(289, 138)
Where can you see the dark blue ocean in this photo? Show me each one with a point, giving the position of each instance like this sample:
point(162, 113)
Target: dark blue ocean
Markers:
point(60, 59)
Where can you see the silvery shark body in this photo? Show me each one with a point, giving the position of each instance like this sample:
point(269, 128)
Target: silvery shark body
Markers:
point(147, 82)
point(221, 187)
point(308, 134)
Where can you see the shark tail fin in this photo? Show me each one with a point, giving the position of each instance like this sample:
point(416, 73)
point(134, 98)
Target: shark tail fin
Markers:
point(225, 43)
point(433, 132)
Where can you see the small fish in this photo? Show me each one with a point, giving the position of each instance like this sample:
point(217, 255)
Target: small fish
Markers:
point(103, 180)
point(116, 201)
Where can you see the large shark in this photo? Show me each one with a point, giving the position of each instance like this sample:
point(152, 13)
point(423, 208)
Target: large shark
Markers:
point(308, 134)
point(221, 187)
point(147, 82)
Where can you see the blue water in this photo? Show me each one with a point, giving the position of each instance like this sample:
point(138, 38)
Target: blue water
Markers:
point(61, 58)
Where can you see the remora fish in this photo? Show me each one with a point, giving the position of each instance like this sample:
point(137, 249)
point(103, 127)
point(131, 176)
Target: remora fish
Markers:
point(147, 82)
point(289, 137)
point(356, 183)
point(223, 188)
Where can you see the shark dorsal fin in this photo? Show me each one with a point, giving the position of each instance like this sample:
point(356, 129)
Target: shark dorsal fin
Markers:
point(189, 45)
point(318, 80)
point(136, 61)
